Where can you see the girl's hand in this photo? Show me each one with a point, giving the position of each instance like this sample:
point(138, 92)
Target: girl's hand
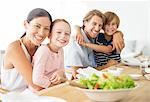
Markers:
point(55, 79)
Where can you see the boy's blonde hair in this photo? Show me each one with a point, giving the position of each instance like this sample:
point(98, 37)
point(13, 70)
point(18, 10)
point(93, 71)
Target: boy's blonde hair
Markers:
point(92, 13)
point(110, 16)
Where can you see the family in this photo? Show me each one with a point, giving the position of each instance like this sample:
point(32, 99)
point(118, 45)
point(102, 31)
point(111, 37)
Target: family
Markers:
point(29, 64)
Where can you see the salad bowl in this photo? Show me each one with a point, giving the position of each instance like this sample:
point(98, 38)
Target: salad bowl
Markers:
point(107, 87)
point(107, 95)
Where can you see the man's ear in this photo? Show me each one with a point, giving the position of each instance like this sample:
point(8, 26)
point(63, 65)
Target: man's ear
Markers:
point(85, 23)
point(26, 24)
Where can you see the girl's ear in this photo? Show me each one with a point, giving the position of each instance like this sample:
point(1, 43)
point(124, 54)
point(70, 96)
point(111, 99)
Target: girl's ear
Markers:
point(26, 24)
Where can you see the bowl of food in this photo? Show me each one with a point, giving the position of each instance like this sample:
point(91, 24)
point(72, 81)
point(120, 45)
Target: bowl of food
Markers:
point(135, 76)
point(107, 88)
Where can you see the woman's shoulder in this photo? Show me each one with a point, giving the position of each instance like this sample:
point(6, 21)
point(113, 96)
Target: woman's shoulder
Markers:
point(13, 46)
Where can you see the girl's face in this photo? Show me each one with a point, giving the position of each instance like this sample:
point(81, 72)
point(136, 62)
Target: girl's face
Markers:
point(38, 29)
point(60, 34)
point(93, 26)
point(111, 27)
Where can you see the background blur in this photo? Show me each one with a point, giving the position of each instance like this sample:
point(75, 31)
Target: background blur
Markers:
point(134, 16)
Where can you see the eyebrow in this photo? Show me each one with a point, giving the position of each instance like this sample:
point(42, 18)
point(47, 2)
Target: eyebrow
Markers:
point(41, 25)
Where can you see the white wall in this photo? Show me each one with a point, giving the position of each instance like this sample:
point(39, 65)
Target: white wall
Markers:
point(134, 15)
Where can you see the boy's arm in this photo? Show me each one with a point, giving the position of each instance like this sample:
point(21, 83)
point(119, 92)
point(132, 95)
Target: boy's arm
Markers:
point(98, 48)
point(109, 64)
point(79, 36)
point(118, 41)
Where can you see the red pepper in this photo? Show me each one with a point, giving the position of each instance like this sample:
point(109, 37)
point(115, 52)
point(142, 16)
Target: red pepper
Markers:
point(96, 86)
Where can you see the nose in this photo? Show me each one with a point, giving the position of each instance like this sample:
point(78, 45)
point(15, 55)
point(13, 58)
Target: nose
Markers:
point(41, 31)
point(63, 35)
point(97, 28)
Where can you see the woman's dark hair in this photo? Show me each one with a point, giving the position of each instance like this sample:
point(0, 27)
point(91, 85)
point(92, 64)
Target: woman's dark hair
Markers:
point(38, 12)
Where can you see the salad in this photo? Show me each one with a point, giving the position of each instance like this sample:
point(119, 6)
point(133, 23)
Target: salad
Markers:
point(107, 81)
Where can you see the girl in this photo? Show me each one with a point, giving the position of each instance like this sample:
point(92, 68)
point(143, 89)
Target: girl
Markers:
point(48, 60)
point(17, 69)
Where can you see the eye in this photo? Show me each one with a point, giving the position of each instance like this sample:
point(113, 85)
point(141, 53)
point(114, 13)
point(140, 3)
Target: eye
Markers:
point(47, 29)
point(68, 34)
point(59, 32)
point(100, 25)
point(113, 24)
point(37, 26)
point(94, 23)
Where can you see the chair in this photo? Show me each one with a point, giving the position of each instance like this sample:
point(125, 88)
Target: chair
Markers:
point(132, 48)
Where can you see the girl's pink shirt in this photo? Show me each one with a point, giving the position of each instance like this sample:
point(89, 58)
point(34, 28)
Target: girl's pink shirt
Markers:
point(45, 63)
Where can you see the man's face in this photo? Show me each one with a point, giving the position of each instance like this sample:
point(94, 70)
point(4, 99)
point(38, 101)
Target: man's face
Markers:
point(93, 26)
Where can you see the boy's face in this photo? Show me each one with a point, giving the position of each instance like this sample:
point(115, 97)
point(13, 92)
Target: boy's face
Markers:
point(93, 26)
point(111, 27)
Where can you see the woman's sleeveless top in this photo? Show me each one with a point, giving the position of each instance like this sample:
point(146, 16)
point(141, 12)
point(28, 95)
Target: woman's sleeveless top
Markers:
point(11, 79)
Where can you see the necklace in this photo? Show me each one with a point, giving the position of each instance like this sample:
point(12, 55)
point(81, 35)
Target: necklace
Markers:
point(29, 46)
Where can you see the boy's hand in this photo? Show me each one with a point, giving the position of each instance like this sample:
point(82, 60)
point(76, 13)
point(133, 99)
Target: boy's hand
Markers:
point(118, 41)
point(79, 38)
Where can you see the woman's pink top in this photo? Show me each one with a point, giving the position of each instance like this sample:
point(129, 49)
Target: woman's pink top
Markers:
point(45, 63)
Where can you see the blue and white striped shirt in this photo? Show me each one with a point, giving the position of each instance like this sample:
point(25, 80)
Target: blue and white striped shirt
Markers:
point(102, 58)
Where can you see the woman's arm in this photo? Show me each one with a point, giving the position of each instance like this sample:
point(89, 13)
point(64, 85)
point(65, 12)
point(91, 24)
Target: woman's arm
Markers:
point(118, 41)
point(20, 62)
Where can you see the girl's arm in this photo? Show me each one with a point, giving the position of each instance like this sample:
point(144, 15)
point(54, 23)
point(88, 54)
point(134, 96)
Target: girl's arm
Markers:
point(40, 60)
point(18, 59)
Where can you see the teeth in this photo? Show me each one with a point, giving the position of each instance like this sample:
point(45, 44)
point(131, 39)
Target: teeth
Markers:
point(38, 37)
point(62, 41)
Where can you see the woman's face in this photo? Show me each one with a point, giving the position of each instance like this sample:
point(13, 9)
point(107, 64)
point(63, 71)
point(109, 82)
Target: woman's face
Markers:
point(60, 34)
point(38, 29)
point(93, 26)
point(110, 28)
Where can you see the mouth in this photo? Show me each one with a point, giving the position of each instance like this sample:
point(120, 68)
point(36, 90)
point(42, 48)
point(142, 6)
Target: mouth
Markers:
point(39, 38)
point(62, 41)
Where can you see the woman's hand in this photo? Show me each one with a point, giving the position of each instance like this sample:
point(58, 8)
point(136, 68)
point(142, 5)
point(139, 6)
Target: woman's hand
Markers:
point(118, 41)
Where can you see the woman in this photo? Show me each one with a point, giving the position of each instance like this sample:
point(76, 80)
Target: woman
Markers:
point(17, 69)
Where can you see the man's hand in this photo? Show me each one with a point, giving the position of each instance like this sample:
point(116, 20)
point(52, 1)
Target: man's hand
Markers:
point(118, 41)
point(74, 72)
